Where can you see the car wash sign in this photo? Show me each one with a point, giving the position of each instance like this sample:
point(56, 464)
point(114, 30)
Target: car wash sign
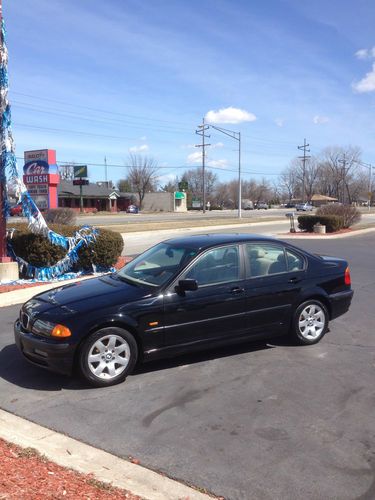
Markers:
point(40, 175)
point(36, 172)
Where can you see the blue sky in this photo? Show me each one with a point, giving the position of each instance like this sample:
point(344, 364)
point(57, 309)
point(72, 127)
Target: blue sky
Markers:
point(92, 79)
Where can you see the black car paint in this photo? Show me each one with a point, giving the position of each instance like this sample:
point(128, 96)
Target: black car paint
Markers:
point(225, 313)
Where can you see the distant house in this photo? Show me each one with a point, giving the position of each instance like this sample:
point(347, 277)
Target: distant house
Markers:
point(103, 197)
point(100, 196)
point(317, 200)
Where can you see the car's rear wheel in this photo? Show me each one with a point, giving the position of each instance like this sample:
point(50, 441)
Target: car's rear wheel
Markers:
point(310, 322)
point(108, 356)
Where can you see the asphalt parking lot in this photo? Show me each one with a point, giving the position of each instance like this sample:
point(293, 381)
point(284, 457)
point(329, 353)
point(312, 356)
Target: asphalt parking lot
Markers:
point(259, 421)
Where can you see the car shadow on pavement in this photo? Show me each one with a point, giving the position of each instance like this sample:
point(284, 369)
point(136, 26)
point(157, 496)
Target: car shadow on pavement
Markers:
point(16, 370)
point(201, 356)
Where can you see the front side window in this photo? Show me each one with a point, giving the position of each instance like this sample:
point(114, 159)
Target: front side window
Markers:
point(218, 265)
point(157, 265)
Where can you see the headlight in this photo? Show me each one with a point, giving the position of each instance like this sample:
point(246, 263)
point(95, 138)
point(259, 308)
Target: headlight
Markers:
point(46, 328)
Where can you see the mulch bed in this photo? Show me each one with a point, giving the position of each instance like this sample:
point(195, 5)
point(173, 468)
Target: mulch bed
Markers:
point(18, 286)
point(26, 475)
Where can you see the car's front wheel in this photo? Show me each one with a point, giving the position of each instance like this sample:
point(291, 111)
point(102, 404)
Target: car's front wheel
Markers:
point(310, 322)
point(108, 356)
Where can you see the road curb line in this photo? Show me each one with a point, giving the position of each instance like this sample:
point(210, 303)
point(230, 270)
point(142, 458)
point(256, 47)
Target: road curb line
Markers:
point(313, 236)
point(86, 459)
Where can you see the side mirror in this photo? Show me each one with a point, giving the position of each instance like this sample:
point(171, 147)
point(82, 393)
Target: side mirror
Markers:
point(187, 285)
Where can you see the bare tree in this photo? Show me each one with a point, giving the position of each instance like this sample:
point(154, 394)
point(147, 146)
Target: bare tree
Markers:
point(124, 186)
point(194, 178)
point(142, 176)
point(288, 183)
point(171, 186)
point(340, 166)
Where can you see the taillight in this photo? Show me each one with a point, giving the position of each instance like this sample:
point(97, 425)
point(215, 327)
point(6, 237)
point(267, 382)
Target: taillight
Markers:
point(347, 276)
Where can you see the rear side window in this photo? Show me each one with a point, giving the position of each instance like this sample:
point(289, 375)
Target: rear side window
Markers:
point(266, 259)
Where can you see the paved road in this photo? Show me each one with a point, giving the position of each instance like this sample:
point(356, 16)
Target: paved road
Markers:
point(247, 215)
point(258, 421)
point(135, 243)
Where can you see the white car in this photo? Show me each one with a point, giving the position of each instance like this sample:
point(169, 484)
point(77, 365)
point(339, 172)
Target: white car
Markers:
point(304, 207)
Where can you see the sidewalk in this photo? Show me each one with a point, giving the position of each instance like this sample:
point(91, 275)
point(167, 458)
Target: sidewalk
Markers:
point(98, 467)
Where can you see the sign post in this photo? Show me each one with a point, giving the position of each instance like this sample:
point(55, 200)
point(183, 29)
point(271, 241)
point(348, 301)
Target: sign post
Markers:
point(80, 171)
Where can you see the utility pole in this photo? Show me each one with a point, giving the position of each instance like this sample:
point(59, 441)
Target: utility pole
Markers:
point(105, 170)
point(201, 131)
point(237, 137)
point(343, 162)
point(304, 158)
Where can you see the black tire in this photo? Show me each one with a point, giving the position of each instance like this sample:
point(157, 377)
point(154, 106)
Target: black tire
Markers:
point(110, 352)
point(310, 322)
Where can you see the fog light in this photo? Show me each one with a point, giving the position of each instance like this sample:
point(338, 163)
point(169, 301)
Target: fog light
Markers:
point(61, 331)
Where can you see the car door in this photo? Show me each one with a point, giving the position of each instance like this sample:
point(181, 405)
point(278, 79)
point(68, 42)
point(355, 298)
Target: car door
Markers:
point(275, 276)
point(217, 308)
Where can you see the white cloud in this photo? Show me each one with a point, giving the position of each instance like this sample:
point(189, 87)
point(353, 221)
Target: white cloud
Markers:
point(365, 53)
point(230, 115)
point(279, 122)
point(218, 145)
point(195, 157)
point(218, 163)
point(188, 146)
point(143, 138)
point(318, 120)
point(362, 54)
point(139, 149)
point(367, 84)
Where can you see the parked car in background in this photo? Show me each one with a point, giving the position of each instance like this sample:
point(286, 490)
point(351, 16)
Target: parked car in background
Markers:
point(16, 210)
point(247, 205)
point(304, 207)
point(290, 205)
point(186, 293)
point(132, 209)
point(261, 206)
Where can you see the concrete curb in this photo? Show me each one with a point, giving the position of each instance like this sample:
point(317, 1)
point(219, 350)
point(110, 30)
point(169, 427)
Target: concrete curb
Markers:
point(312, 236)
point(83, 458)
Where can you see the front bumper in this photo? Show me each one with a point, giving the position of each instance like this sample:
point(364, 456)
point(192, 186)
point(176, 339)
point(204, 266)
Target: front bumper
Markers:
point(47, 353)
point(340, 303)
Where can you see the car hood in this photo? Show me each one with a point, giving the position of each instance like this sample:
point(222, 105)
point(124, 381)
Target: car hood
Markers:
point(95, 292)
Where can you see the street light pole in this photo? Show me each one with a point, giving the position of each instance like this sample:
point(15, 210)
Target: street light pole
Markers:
point(237, 137)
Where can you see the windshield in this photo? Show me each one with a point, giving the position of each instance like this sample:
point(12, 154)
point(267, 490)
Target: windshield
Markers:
point(157, 265)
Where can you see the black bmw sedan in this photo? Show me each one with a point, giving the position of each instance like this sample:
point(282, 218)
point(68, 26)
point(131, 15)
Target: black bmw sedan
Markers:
point(185, 293)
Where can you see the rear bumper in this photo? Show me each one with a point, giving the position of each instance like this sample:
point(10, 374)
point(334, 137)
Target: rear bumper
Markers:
point(47, 353)
point(340, 303)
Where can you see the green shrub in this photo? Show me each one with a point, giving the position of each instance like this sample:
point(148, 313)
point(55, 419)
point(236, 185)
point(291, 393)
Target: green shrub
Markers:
point(351, 215)
point(333, 223)
point(63, 215)
point(39, 252)
point(103, 253)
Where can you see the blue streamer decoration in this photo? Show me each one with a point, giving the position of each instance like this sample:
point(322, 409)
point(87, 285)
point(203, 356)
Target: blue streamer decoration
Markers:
point(9, 173)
